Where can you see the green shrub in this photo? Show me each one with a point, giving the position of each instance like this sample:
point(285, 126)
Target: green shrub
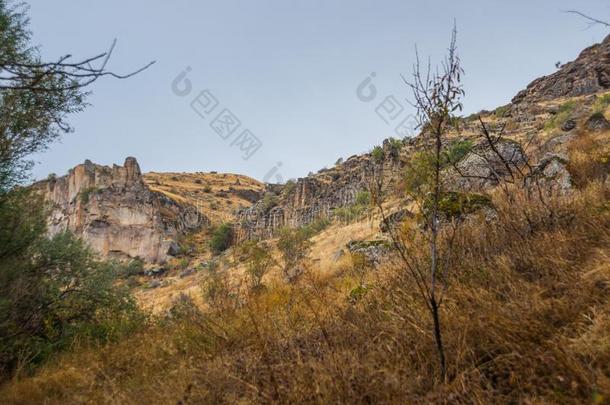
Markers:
point(258, 262)
point(563, 114)
point(60, 292)
point(222, 238)
point(395, 145)
point(363, 198)
point(85, 194)
point(133, 268)
point(314, 228)
point(501, 111)
point(456, 151)
point(378, 154)
point(184, 263)
point(287, 189)
point(349, 213)
point(601, 103)
point(454, 205)
point(269, 201)
point(294, 245)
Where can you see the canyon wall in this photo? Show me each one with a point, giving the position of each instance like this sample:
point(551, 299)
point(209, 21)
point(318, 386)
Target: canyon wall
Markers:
point(112, 209)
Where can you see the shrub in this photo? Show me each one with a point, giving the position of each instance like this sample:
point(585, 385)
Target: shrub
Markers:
point(457, 151)
point(85, 194)
point(349, 213)
point(563, 114)
point(501, 111)
point(294, 245)
point(314, 228)
point(58, 294)
point(133, 268)
point(217, 291)
point(378, 154)
point(184, 263)
point(601, 103)
point(269, 201)
point(222, 238)
point(207, 188)
point(258, 262)
point(454, 205)
point(363, 198)
point(288, 188)
point(395, 146)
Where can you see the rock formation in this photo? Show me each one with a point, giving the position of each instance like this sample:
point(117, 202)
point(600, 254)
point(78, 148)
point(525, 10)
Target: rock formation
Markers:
point(316, 196)
point(112, 209)
point(588, 74)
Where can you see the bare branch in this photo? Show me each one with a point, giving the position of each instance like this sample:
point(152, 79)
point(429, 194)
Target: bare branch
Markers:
point(592, 21)
point(65, 75)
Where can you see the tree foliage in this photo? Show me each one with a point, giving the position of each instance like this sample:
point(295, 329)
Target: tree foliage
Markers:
point(51, 290)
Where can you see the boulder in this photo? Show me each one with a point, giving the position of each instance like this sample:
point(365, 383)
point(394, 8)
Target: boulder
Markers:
point(597, 122)
point(173, 249)
point(186, 273)
point(569, 125)
point(373, 250)
point(483, 167)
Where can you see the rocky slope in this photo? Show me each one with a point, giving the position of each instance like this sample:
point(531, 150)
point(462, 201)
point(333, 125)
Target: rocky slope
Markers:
point(588, 74)
point(112, 209)
point(121, 212)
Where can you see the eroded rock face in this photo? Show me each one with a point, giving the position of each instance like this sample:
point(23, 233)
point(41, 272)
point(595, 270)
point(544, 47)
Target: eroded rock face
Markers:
point(316, 196)
point(588, 74)
point(112, 210)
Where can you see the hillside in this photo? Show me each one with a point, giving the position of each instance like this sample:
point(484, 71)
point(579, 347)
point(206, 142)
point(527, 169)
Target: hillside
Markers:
point(524, 223)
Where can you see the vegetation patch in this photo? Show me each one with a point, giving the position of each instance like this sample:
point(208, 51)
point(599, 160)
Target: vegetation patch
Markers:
point(222, 238)
point(563, 114)
point(378, 154)
point(454, 204)
point(86, 193)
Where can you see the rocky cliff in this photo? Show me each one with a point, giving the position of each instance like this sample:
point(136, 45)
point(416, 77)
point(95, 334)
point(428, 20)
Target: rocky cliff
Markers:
point(588, 74)
point(112, 209)
point(318, 195)
point(525, 121)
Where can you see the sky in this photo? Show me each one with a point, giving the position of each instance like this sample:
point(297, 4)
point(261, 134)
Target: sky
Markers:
point(275, 89)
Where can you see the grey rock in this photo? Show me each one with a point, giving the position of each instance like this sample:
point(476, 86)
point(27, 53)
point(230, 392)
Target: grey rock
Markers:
point(186, 273)
point(155, 272)
point(597, 122)
point(483, 167)
point(173, 249)
point(568, 125)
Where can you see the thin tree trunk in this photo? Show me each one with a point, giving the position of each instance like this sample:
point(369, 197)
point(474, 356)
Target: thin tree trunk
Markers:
point(438, 338)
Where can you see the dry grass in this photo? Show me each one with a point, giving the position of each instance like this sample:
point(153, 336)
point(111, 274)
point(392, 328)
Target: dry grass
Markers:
point(216, 195)
point(527, 320)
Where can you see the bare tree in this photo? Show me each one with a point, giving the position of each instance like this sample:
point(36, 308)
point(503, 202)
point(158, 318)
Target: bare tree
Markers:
point(437, 96)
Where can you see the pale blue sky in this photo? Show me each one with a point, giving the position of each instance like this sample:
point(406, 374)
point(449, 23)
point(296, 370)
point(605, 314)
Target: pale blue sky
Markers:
point(288, 69)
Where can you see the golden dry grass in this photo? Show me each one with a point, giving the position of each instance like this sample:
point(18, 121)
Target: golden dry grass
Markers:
point(527, 320)
point(216, 195)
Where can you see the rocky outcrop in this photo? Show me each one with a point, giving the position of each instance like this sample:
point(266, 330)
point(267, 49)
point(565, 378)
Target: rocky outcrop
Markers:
point(484, 167)
point(588, 74)
point(318, 195)
point(112, 210)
